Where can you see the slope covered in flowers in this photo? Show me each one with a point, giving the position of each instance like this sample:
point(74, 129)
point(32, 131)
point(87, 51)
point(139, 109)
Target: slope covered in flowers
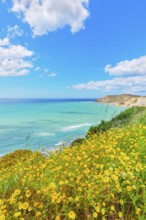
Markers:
point(134, 115)
point(103, 178)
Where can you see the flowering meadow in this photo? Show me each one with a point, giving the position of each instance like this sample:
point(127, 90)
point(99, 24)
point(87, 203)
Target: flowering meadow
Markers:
point(103, 178)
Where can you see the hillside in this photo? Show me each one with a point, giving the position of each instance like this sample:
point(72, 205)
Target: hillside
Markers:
point(134, 115)
point(102, 178)
point(124, 100)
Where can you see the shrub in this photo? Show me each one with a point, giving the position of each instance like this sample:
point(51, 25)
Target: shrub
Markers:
point(123, 119)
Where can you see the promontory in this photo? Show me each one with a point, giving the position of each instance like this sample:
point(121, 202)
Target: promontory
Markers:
point(124, 100)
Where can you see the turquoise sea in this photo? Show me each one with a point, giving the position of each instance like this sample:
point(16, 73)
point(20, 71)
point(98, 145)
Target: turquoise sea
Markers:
point(45, 123)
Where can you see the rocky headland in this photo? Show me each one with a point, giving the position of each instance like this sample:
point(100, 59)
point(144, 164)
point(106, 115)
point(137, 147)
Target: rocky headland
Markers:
point(124, 100)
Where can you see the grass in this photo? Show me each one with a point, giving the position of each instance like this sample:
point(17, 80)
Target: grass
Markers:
point(134, 115)
point(102, 177)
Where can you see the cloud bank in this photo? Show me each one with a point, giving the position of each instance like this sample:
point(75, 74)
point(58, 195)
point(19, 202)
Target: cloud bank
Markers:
point(129, 76)
point(48, 15)
point(136, 84)
point(13, 59)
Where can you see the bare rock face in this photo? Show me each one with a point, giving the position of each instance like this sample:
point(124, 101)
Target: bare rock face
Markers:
point(124, 100)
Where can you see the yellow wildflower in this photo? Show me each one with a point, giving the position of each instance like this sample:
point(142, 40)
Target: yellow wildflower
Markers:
point(97, 208)
point(29, 209)
point(38, 192)
point(95, 215)
point(2, 217)
point(103, 204)
point(121, 201)
point(70, 198)
point(120, 214)
point(20, 206)
point(112, 208)
point(138, 211)
point(25, 205)
point(76, 198)
point(12, 200)
point(28, 193)
point(102, 211)
point(17, 192)
point(17, 214)
point(1, 201)
point(72, 215)
point(38, 214)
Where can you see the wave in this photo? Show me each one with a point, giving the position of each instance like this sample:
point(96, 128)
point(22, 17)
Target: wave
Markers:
point(44, 134)
point(74, 127)
point(60, 143)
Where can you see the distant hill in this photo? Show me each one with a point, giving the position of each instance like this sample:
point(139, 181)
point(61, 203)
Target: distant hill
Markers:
point(124, 100)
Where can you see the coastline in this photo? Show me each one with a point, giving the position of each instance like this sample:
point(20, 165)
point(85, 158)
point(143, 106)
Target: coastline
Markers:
point(124, 100)
point(37, 125)
point(69, 142)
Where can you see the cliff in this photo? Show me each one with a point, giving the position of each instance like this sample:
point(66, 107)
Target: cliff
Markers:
point(124, 100)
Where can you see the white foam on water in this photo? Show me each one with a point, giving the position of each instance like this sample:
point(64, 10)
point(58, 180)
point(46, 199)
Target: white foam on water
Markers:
point(44, 134)
point(74, 127)
point(60, 143)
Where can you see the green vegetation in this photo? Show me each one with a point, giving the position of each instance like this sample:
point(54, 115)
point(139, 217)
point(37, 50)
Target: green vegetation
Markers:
point(130, 116)
point(102, 177)
point(9, 160)
point(77, 141)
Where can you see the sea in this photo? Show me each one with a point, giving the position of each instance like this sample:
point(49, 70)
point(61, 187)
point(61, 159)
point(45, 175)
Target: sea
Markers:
point(44, 124)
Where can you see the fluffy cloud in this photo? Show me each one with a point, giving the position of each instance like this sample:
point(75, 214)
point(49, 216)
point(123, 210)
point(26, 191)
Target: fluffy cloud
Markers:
point(128, 67)
point(4, 42)
point(12, 59)
point(14, 31)
point(129, 76)
point(49, 15)
point(133, 84)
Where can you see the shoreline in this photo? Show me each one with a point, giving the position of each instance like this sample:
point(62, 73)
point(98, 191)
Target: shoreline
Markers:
point(76, 139)
point(124, 100)
point(34, 125)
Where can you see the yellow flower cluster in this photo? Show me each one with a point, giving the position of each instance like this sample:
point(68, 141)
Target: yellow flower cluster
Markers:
point(103, 178)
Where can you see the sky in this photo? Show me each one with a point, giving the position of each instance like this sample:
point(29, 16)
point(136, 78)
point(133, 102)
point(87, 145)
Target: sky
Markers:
point(72, 48)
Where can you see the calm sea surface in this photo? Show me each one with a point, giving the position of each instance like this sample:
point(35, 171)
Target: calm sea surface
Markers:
point(44, 124)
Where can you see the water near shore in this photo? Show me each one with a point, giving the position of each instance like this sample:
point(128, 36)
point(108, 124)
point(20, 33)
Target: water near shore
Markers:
point(37, 124)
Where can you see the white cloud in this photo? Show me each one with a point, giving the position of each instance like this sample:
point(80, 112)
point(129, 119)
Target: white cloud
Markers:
point(14, 31)
point(133, 84)
point(37, 68)
point(4, 42)
point(129, 76)
point(128, 67)
point(45, 72)
point(52, 74)
point(12, 59)
point(49, 15)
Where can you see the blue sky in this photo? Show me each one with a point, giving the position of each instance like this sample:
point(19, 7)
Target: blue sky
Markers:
point(72, 49)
